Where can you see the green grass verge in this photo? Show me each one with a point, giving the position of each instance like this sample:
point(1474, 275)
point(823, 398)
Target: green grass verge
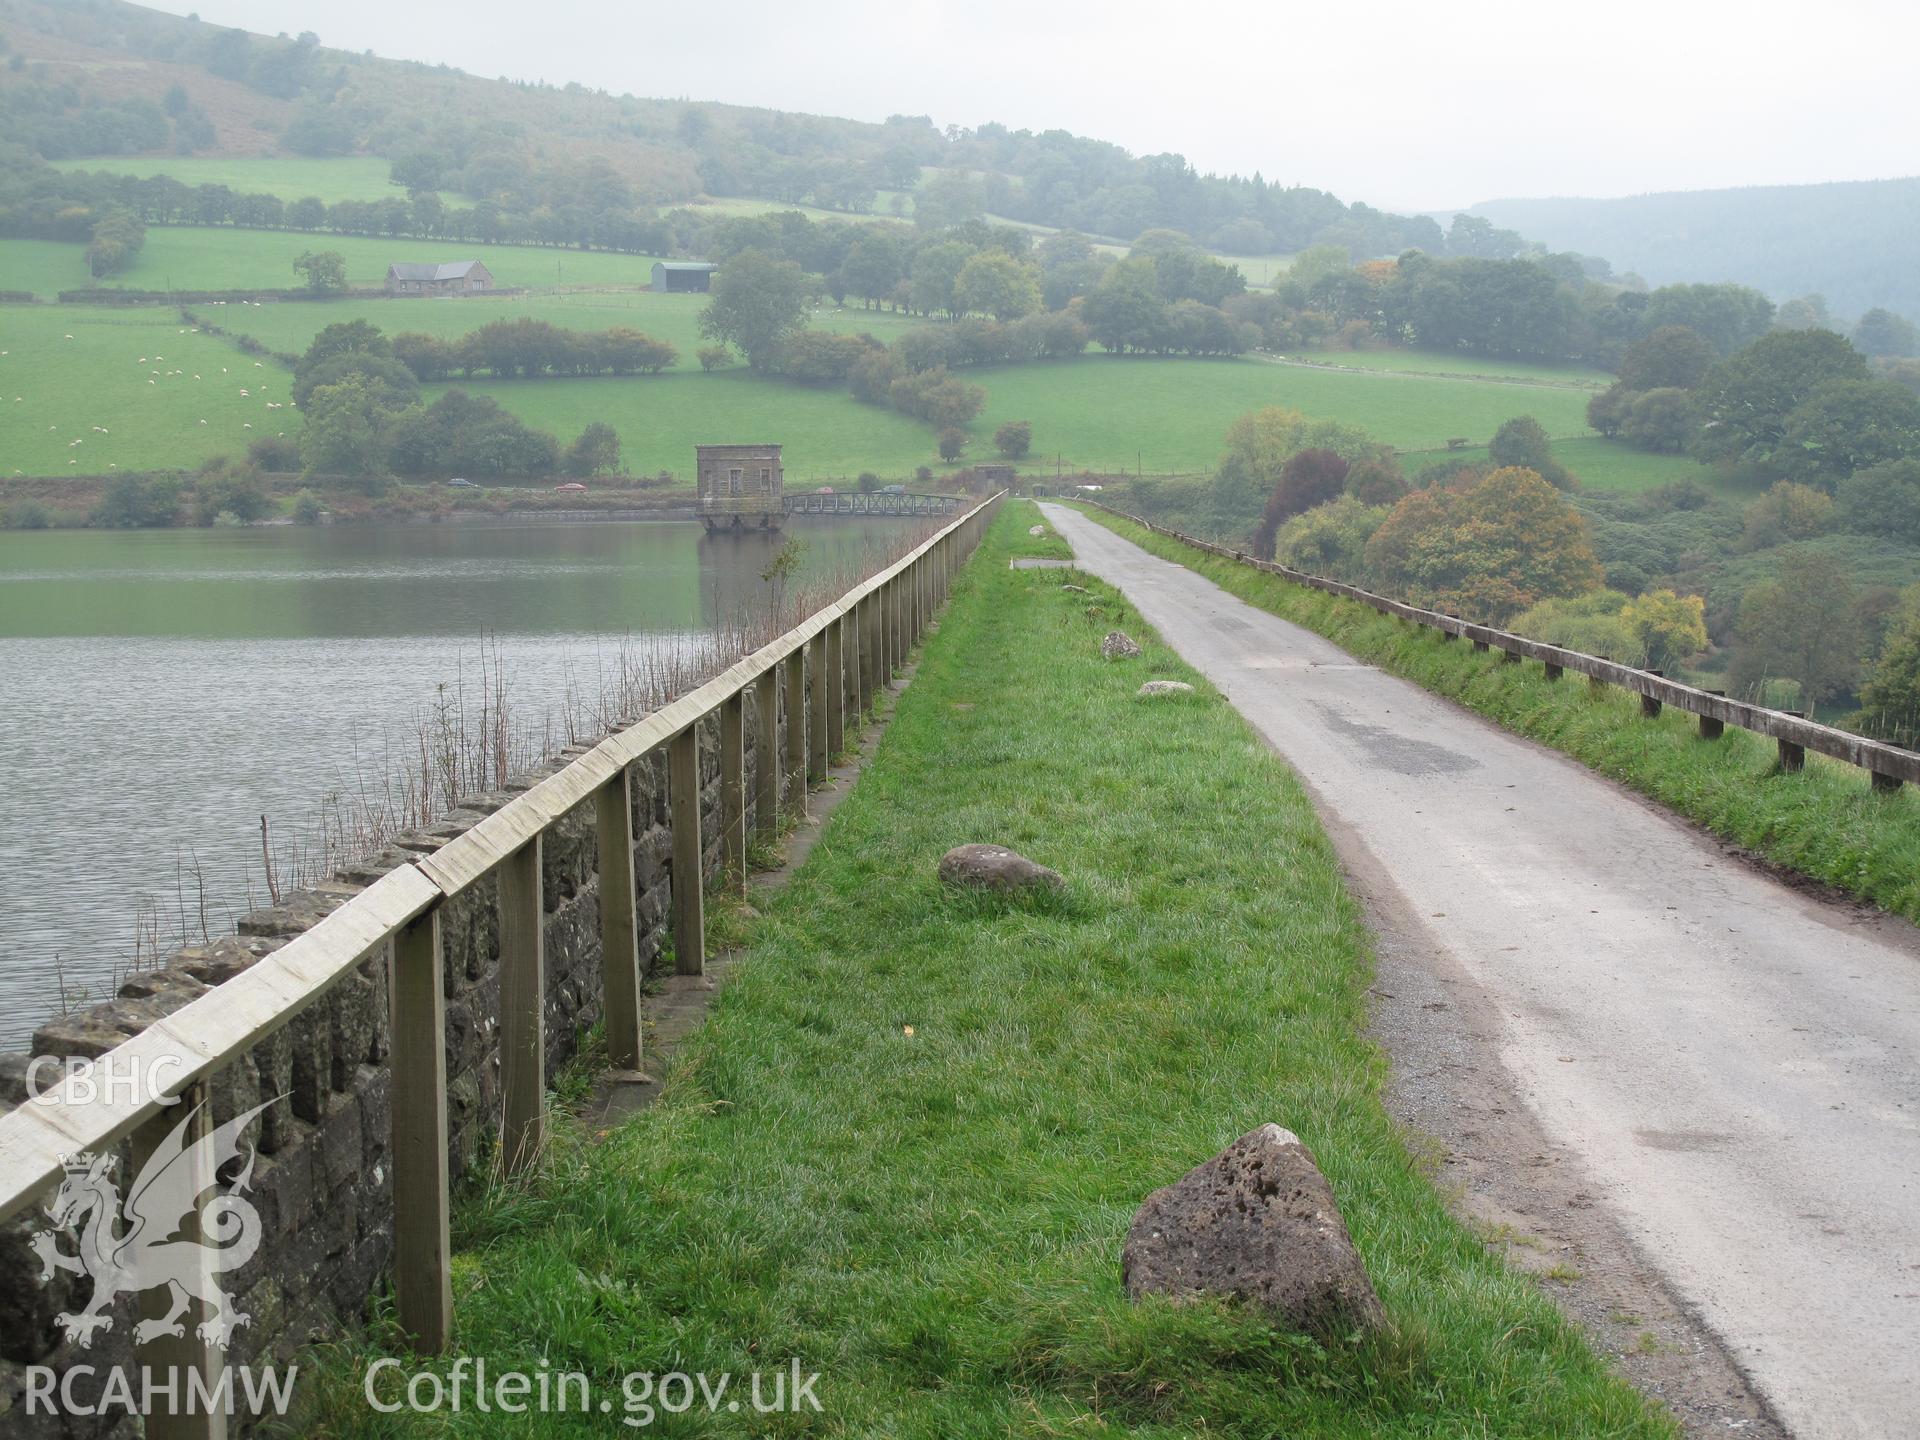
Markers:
point(1824, 822)
point(906, 1146)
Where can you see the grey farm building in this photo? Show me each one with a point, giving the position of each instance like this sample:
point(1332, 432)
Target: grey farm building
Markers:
point(683, 276)
point(460, 277)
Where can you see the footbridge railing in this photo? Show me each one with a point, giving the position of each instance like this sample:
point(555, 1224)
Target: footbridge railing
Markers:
point(810, 502)
point(1889, 766)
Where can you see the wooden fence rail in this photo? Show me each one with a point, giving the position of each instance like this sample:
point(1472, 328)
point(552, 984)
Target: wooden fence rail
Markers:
point(1888, 765)
point(853, 644)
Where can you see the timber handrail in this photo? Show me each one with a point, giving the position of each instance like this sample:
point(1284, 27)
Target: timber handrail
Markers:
point(1888, 765)
point(861, 637)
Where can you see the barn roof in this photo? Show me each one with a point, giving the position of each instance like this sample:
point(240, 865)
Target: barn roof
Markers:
point(688, 265)
point(412, 270)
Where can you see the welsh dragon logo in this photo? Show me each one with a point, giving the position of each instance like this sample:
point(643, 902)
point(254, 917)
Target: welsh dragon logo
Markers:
point(140, 1248)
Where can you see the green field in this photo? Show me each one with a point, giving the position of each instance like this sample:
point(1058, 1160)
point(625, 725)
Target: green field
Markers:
point(1439, 362)
point(1165, 415)
point(54, 391)
point(291, 177)
point(189, 258)
point(829, 436)
point(289, 325)
point(1098, 412)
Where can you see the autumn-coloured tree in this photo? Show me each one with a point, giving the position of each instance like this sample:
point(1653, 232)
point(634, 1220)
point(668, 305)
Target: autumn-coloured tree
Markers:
point(1671, 629)
point(1486, 552)
point(1309, 478)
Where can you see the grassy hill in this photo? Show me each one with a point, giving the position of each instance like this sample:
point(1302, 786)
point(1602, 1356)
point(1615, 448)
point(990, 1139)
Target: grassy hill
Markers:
point(1851, 242)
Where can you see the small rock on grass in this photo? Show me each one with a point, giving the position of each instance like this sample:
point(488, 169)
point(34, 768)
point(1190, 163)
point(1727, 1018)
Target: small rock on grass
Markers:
point(1077, 589)
point(1257, 1223)
point(1036, 530)
point(1119, 646)
point(998, 869)
point(1164, 687)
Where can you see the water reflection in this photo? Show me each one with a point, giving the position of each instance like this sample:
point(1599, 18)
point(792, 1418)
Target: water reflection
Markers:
point(161, 690)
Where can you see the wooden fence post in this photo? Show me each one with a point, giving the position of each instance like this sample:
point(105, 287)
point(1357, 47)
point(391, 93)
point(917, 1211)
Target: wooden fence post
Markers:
point(896, 622)
point(422, 1246)
point(187, 1359)
point(863, 630)
point(817, 751)
point(523, 1006)
point(1710, 728)
point(689, 881)
point(1554, 672)
point(835, 636)
point(766, 754)
point(733, 790)
point(795, 774)
point(619, 932)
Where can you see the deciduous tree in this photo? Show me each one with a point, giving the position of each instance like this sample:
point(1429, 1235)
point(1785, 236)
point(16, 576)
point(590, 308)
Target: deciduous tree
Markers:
point(758, 302)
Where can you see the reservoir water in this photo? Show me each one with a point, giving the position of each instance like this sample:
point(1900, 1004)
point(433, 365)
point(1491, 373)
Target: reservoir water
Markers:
point(162, 690)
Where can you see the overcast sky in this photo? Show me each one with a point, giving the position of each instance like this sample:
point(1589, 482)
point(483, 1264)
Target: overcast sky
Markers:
point(1403, 105)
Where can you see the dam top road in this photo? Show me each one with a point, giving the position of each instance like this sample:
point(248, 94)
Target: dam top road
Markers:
point(1735, 1063)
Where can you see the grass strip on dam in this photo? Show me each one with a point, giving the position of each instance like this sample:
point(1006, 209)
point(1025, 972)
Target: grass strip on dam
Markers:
point(906, 1146)
point(1825, 822)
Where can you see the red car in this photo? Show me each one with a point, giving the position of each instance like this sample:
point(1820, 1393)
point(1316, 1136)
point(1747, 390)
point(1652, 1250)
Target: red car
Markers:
point(572, 487)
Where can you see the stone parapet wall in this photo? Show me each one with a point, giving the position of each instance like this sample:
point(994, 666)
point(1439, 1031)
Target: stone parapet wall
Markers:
point(322, 1180)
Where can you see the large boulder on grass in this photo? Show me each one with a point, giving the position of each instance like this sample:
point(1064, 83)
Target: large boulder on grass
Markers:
point(997, 869)
point(1164, 687)
point(1257, 1223)
point(1036, 530)
point(1119, 646)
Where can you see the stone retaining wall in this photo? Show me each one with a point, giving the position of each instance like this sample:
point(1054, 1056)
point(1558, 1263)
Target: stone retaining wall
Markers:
point(322, 1181)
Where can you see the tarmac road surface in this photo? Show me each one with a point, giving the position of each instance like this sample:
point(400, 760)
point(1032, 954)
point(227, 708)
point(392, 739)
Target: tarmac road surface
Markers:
point(1737, 1062)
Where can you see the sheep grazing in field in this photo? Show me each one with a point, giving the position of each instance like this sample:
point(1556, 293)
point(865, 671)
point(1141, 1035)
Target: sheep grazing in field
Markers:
point(69, 337)
point(203, 422)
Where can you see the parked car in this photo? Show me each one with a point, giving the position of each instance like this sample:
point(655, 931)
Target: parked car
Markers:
point(824, 490)
point(893, 489)
point(572, 487)
point(458, 484)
